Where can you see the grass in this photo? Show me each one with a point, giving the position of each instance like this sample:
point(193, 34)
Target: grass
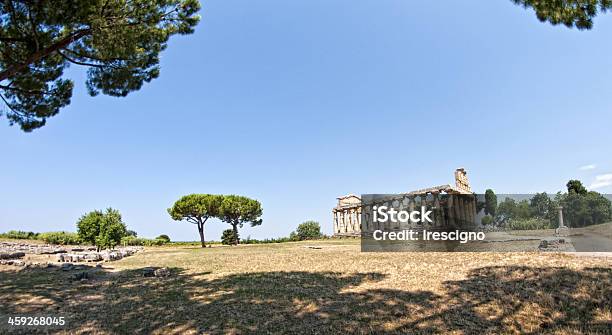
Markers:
point(291, 288)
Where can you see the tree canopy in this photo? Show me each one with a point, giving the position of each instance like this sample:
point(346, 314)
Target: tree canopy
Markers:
point(541, 205)
point(575, 186)
point(580, 208)
point(490, 207)
point(229, 237)
point(197, 209)
point(571, 13)
point(585, 209)
point(102, 229)
point(118, 41)
point(237, 210)
point(308, 230)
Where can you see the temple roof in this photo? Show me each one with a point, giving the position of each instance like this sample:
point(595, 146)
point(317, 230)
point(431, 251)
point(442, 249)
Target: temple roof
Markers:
point(348, 196)
point(449, 189)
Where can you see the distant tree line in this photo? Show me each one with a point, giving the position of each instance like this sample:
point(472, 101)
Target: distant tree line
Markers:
point(580, 208)
point(54, 237)
point(103, 229)
point(308, 230)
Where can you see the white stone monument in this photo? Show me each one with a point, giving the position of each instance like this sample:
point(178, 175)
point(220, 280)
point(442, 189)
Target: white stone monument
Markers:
point(562, 230)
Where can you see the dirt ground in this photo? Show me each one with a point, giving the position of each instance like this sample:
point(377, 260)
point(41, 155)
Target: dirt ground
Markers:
point(319, 287)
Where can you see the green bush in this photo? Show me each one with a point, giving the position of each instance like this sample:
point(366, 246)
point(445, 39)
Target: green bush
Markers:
point(229, 237)
point(60, 237)
point(486, 220)
point(308, 230)
point(163, 237)
point(529, 224)
point(138, 241)
point(19, 235)
point(103, 229)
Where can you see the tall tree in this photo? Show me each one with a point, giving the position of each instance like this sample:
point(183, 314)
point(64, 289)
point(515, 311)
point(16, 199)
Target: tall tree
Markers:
point(111, 230)
point(540, 205)
point(586, 209)
point(575, 186)
point(238, 210)
point(102, 229)
point(118, 41)
point(197, 209)
point(490, 202)
point(506, 209)
point(571, 13)
point(88, 226)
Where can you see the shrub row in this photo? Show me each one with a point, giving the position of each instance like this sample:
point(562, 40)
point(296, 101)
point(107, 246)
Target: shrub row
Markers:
point(529, 224)
point(68, 238)
point(19, 235)
point(145, 242)
point(60, 237)
point(54, 237)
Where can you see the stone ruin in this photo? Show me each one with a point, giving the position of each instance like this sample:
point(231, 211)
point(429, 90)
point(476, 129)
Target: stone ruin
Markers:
point(455, 203)
point(22, 254)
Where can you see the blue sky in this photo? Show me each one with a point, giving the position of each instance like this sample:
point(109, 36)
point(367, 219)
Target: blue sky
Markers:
point(294, 103)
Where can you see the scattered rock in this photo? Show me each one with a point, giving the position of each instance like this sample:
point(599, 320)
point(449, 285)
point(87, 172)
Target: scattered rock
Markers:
point(93, 257)
point(148, 272)
point(11, 251)
point(11, 255)
point(555, 245)
point(162, 272)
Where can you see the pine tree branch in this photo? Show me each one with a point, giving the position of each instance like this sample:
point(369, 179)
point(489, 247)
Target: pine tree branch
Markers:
point(13, 69)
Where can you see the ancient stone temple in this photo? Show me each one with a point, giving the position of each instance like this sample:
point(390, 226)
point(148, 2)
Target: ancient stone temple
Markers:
point(453, 203)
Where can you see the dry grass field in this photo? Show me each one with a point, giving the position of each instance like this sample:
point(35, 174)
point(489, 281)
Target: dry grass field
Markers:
point(333, 288)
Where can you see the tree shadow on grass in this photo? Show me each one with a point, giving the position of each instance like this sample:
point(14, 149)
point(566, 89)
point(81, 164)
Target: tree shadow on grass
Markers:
point(510, 299)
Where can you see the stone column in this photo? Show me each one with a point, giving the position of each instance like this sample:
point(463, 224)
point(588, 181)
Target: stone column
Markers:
point(450, 205)
point(347, 221)
point(465, 209)
point(464, 212)
point(358, 215)
point(563, 230)
point(474, 210)
point(349, 226)
point(438, 215)
point(335, 220)
point(457, 205)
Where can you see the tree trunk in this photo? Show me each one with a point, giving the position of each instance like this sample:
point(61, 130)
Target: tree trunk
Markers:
point(236, 239)
point(38, 55)
point(201, 231)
